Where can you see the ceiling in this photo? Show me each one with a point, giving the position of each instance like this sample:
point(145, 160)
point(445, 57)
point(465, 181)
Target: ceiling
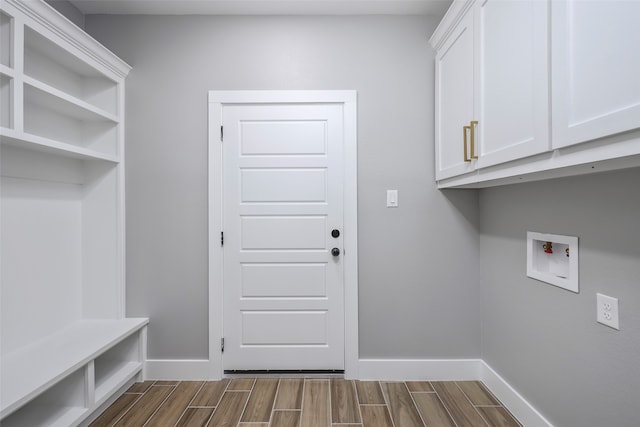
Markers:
point(263, 7)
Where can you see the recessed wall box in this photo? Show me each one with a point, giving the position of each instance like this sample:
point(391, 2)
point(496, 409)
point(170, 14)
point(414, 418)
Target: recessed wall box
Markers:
point(553, 259)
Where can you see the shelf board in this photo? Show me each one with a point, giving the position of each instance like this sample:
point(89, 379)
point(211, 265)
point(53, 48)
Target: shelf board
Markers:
point(7, 71)
point(28, 141)
point(27, 372)
point(47, 416)
point(54, 99)
point(119, 373)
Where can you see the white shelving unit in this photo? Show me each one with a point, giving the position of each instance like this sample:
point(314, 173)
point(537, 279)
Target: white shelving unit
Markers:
point(66, 347)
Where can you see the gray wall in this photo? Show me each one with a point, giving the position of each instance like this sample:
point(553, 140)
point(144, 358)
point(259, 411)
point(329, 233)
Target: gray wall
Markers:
point(419, 267)
point(415, 299)
point(68, 10)
point(545, 340)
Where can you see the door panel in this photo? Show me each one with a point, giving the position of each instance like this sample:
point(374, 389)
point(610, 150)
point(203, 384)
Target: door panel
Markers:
point(285, 232)
point(283, 328)
point(284, 138)
point(283, 290)
point(284, 185)
point(284, 280)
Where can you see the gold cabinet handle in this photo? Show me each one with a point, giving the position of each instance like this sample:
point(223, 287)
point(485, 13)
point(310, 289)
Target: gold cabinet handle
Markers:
point(466, 148)
point(472, 126)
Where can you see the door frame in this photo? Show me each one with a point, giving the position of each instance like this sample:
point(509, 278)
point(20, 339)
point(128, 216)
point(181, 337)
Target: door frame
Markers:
point(348, 99)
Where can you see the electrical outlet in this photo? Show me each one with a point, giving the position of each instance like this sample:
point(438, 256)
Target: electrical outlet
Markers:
point(607, 312)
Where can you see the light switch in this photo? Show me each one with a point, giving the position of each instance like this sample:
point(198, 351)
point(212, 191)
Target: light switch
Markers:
point(392, 198)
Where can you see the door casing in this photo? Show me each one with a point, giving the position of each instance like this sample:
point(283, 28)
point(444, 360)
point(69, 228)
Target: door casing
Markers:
point(217, 99)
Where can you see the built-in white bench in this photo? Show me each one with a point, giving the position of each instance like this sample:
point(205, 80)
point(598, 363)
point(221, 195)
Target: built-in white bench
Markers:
point(63, 378)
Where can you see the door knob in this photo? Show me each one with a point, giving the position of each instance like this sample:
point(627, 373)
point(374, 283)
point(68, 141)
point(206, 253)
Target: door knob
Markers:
point(335, 251)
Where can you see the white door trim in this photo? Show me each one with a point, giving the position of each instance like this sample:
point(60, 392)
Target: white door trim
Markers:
point(348, 99)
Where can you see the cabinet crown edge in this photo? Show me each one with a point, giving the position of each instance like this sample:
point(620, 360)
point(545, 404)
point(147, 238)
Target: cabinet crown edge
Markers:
point(449, 21)
point(75, 36)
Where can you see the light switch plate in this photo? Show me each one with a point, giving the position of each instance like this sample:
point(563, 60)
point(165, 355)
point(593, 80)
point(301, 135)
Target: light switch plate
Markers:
point(392, 198)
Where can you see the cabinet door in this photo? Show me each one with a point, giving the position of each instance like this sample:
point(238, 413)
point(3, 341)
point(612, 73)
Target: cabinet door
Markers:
point(512, 101)
point(596, 69)
point(454, 99)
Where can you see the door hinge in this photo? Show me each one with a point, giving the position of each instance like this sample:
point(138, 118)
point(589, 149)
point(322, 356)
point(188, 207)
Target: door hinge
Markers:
point(222, 238)
point(222, 345)
point(221, 133)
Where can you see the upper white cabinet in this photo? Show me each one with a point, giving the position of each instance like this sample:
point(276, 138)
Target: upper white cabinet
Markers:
point(65, 345)
point(491, 90)
point(547, 75)
point(454, 98)
point(596, 69)
point(511, 68)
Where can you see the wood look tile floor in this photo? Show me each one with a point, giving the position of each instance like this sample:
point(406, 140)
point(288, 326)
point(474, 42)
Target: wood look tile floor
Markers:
point(310, 402)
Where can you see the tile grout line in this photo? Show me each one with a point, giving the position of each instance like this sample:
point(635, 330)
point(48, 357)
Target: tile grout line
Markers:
point(304, 385)
point(446, 408)
point(161, 403)
point(217, 403)
point(501, 404)
point(117, 420)
point(330, 409)
point(355, 388)
point(273, 405)
point(472, 405)
point(189, 404)
point(247, 402)
point(386, 400)
point(128, 409)
point(415, 406)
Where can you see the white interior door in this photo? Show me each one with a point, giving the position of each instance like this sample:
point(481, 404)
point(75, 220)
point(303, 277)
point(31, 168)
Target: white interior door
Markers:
point(283, 196)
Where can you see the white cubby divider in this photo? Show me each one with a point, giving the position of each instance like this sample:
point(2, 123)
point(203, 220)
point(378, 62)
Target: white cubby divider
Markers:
point(66, 347)
point(108, 349)
point(553, 259)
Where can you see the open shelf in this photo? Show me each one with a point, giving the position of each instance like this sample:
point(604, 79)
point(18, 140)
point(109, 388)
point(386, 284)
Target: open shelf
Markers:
point(6, 40)
point(62, 119)
point(50, 63)
point(63, 404)
point(46, 415)
point(115, 367)
point(76, 108)
point(6, 101)
point(37, 143)
point(29, 371)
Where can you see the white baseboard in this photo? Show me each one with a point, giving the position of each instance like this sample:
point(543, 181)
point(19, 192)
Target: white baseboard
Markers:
point(191, 370)
point(510, 398)
point(419, 369)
